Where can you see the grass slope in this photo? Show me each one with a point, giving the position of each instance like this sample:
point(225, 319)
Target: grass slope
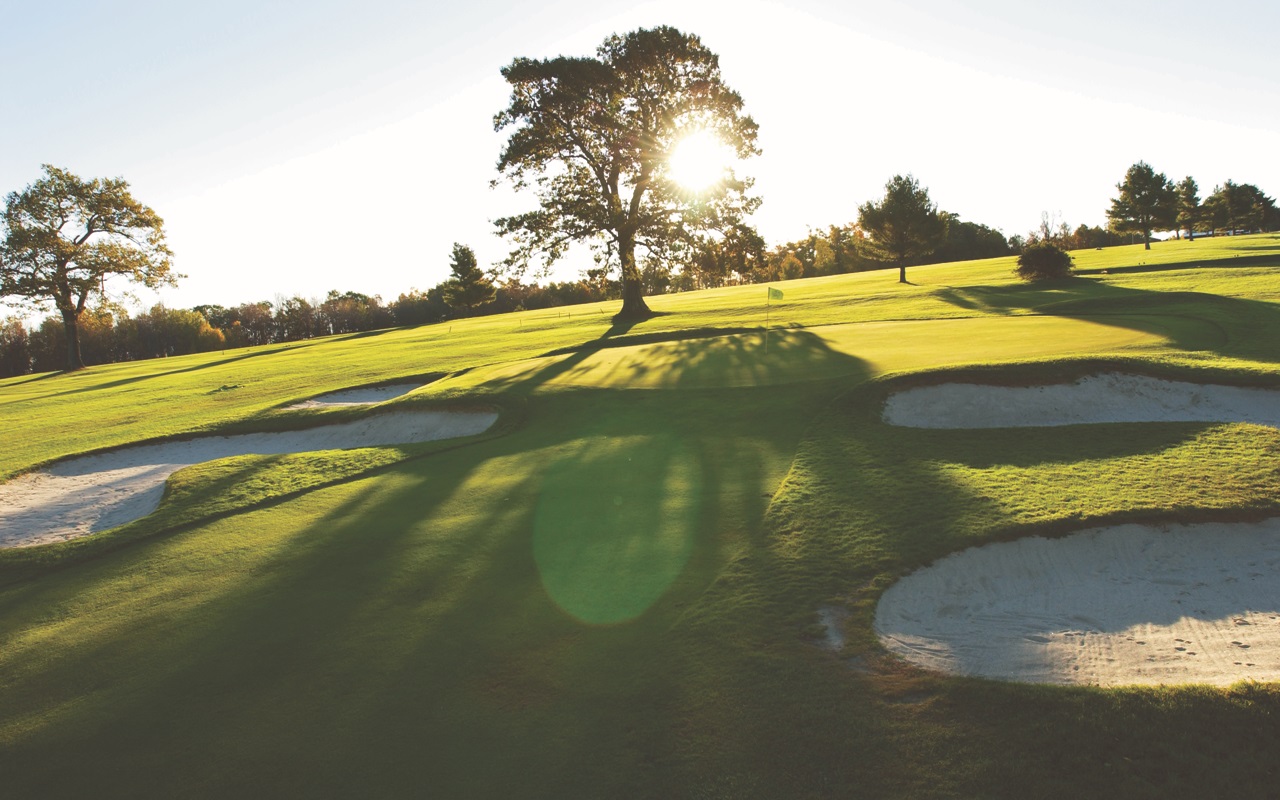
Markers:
point(615, 593)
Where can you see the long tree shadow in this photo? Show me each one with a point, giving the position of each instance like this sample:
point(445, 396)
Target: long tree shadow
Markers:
point(1223, 262)
point(96, 387)
point(756, 358)
point(385, 635)
point(1229, 326)
point(867, 502)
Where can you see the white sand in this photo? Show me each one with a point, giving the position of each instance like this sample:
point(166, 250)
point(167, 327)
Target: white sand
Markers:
point(1126, 605)
point(1097, 398)
point(90, 494)
point(358, 397)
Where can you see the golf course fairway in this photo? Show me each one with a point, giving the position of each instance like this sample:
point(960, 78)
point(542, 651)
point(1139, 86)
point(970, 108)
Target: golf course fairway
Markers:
point(615, 590)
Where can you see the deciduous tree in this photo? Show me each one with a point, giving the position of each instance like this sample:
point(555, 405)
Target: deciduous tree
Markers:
point(64, 236)
point(1147, 201)
point(904, 226)
point(593, 139)
point(15, 354)
point(1043, 261)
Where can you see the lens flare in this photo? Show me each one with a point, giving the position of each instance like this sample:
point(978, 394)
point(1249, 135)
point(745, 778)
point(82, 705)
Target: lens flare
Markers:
point(699, 160)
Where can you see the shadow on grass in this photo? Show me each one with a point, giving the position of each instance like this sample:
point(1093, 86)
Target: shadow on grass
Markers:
point(1224, 262)
point(865, 503)
point(269, 350)
point(753, 359)
point(476, 622)
point(1228, 326)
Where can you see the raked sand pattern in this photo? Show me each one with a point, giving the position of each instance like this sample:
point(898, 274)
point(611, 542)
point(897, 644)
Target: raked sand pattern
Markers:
point(86, 495)
point(1132, 604)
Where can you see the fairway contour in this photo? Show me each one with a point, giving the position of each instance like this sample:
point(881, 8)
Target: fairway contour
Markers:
point(1132, 604)
point(1097, 398)
point(90, 494)
point(366, 396)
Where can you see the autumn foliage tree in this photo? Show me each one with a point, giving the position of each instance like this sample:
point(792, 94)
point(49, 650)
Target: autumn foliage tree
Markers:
point(65, 236)
point(593, 137)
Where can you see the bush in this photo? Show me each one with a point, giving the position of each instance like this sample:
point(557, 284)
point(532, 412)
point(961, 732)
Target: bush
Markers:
point(1043, 261)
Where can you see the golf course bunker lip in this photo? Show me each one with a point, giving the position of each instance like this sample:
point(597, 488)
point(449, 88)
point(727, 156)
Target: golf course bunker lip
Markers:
point(89, 494)
point(1109, 397)
point(363, 396)
point(1131, 604)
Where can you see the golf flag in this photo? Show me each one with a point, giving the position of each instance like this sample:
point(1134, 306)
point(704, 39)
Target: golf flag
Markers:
point(775, 294)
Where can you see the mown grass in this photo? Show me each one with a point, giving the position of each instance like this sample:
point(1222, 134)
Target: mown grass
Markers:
point(615, 593)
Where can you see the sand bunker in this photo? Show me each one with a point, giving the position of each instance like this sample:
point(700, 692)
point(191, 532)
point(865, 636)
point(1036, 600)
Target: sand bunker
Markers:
point(366, 396)
point(1131, 604)
point(1097, 398)
point(86, 495)
point(1110, 606)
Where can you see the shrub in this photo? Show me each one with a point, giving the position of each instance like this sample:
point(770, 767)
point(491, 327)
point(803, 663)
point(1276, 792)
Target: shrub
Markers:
point(1043, 261)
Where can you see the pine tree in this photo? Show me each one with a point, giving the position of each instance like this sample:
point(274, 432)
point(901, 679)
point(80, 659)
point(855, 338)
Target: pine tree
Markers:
point(1148, 201)
point(1189, 210)
point(469, 287)
point(906, 225)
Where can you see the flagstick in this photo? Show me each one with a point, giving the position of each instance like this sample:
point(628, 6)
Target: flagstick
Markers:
point(767, 297)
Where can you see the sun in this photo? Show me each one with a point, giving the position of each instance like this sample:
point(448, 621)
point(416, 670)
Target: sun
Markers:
point(699, 160)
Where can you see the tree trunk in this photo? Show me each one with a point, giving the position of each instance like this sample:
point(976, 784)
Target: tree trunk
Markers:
point(902, 272)
point(633, 304)
point(1146, 239)
point(70, 324)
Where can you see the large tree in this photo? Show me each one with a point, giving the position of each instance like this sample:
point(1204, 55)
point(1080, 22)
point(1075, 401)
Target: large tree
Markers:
point(593, 138)
point(1147, 201)
point(904, 226)
point(65, 236)
point(469, 287)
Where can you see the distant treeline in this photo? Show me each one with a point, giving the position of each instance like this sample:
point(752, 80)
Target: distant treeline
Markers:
point(109, 334)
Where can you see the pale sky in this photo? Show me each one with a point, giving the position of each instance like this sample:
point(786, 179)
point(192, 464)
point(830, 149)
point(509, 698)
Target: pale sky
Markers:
point(298, 147)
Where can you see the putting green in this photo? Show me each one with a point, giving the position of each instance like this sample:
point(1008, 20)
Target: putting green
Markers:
point(801, 354)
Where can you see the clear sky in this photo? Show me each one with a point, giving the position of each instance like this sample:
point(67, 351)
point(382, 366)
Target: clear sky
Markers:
point(298, 147)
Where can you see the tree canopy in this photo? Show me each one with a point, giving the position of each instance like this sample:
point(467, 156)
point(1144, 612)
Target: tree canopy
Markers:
point(1043, 261)
point(469, 287)
point(593, 139)
point(64, 236)
point(1147, 201)
point(1189, 210)
point(1237, 207)
point(904, 226)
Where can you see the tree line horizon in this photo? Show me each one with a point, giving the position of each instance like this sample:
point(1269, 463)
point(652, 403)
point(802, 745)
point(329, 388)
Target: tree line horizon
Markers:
point(590, 139)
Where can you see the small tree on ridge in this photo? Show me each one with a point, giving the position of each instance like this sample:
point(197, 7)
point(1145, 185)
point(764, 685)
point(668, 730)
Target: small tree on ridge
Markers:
point(1148, 201)
point(904, 226)
point(469, 287)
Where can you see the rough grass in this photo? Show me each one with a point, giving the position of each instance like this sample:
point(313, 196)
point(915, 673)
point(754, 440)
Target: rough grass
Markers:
point(615, 593)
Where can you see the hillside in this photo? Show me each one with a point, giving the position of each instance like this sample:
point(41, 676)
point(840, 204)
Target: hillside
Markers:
point(656, 575)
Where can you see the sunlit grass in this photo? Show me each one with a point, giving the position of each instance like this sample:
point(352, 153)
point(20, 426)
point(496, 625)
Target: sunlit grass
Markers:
point(614, 594)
